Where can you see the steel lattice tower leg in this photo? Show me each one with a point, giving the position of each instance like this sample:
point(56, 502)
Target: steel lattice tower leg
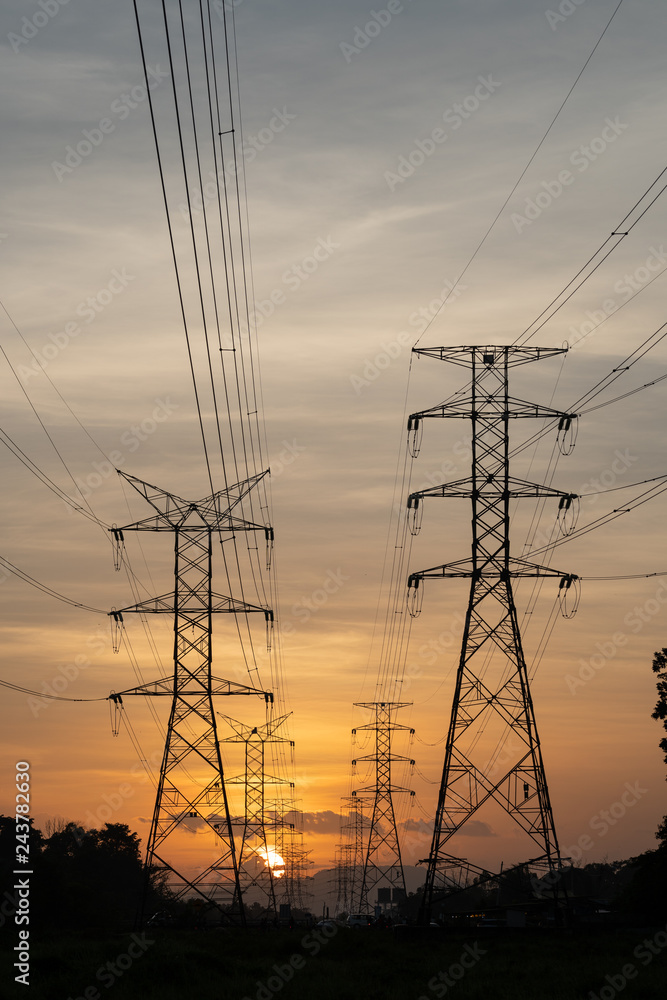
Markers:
point(491, 624)
point(192, 784)
point(383, 866)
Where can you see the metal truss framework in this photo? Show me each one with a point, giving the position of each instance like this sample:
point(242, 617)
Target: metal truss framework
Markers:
point(257, 853)
point(349, 859)
point(382, 866)
point(191, 789)
point(491, 622)
point(293, 889)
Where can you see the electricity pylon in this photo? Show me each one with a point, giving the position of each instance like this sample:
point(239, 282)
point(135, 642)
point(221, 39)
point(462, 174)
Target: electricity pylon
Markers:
point(290, 846)
point(350, 856)
point(191, 782)
point(383, 866)
point(342, 878)
point(491, 623)
point(258, 855)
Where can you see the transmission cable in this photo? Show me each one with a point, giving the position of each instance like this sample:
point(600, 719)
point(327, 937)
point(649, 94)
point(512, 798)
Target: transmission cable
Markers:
point(4, 562)
point(523, 172)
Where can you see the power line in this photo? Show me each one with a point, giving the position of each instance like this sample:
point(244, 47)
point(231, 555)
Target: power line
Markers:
point(4, 562)
point(42, 694)
point(619, 234)
point(523, 172)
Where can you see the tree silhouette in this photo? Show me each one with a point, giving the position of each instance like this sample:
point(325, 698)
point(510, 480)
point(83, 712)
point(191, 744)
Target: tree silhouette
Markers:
point(660, 712)
point(95, 876)
point(91, 880)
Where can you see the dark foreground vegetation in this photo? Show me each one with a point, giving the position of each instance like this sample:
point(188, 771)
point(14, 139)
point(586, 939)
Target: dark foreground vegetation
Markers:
point(373, 965)
point(83, 945)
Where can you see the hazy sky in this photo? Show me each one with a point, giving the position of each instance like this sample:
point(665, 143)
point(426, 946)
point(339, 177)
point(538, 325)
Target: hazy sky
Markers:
point(381, 142)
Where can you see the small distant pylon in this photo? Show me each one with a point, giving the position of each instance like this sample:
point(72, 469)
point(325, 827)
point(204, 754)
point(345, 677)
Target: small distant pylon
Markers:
point(349, 860)
point(293, 884)
point(258, 852)
point(341, 879)
point(383, 867)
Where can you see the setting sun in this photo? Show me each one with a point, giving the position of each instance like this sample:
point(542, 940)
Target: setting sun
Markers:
point(273, 860)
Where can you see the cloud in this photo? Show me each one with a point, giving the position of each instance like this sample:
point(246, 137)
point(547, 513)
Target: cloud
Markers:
point(477, 828)
point(417, 826)
point(326, 821)
point(473, 828)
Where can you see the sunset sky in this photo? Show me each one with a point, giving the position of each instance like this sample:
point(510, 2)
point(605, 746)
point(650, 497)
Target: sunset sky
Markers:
point(384, 156)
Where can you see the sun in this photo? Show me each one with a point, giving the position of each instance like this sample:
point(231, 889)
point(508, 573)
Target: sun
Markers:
point(273, 860)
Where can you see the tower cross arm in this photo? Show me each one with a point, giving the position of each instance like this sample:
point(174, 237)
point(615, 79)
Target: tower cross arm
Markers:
point(512, 355)
point(464, 568)
point(372, 789)
point(165, 686)
point(195, 604)
point(492, 407)
point(264, 734)
point(494, 487)
point(390, 757)
point(172, 511)
point(193, 522)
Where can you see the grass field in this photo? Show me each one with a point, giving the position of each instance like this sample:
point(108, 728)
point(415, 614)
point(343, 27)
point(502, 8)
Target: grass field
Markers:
point(350, 965)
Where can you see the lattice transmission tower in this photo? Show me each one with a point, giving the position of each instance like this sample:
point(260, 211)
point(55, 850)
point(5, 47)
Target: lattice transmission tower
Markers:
point(258, 853)
point(349, 860)
point(490, 693)
point(191, 789)
point(383, 867)
point(293, 886)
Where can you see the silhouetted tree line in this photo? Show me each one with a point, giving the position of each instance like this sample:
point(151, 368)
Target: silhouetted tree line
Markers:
point(83, 879)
